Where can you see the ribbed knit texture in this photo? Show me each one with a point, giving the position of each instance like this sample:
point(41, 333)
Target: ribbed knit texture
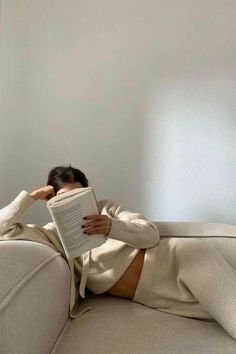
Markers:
point(185, 276)
point(194, 278)
point(129, 232)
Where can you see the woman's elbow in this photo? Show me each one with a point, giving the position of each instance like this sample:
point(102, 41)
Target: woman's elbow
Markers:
point(155, 236)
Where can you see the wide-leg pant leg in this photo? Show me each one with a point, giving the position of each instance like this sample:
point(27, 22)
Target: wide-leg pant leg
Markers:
point(211, 279)
point(226, 246)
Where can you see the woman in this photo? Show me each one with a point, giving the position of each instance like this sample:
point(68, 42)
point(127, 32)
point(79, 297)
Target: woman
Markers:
point(191, 277)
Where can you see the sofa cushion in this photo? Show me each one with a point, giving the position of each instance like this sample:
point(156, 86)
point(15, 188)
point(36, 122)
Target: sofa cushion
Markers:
point(116, 325)
point(34, 297)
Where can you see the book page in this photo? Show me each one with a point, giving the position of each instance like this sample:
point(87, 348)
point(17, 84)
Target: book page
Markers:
point(64, 198)
point(68, 218)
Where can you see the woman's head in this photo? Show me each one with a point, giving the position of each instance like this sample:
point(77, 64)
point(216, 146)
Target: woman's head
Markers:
point(66, 178)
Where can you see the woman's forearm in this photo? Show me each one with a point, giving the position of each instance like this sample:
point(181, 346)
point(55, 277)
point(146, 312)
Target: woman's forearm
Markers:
point(11, 215)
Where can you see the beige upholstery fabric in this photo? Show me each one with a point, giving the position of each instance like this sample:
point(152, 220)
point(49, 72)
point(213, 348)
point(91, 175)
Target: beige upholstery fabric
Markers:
point(191, 229)
point(32, 311)
point(116, 325)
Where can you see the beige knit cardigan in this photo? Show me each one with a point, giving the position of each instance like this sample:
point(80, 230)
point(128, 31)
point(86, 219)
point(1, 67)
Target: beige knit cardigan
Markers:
point(98, 269)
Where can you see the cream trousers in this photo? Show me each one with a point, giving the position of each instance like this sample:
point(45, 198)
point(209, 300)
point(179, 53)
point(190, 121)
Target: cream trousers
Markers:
point(195, 277)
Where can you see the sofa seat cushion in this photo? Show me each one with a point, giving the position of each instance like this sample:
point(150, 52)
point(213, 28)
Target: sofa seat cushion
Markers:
point(117, 325)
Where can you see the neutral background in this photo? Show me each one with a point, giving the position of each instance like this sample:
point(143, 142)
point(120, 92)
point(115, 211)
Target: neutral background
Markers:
point(139, 94)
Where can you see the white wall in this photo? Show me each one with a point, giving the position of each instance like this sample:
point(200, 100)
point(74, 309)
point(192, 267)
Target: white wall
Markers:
point(138, 94)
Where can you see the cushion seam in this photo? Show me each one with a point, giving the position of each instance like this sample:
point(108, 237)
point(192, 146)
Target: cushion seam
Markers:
point(60, 337)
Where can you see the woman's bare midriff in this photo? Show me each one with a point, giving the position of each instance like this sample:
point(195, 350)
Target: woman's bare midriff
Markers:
point(127, 284)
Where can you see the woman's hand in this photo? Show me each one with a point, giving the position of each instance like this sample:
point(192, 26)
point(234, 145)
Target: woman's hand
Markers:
point(97, 224)
point(44, 193)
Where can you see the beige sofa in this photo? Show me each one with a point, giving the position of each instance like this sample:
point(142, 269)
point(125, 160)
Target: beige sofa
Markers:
point(34, 315)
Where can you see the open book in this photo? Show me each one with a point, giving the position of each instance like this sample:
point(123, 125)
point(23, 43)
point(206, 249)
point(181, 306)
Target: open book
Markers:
point(67, 211)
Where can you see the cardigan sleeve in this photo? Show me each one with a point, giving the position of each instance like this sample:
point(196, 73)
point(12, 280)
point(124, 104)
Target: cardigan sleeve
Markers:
point(11, 227)
point(132, 228)
point(10, 215)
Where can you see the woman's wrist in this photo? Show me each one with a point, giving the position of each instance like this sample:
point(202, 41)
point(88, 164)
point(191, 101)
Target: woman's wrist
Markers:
point(43, 193)
point(34, 195)
point(110, 223)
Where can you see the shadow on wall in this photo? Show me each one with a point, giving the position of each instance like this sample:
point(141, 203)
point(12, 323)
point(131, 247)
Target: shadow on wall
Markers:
point(189, 160)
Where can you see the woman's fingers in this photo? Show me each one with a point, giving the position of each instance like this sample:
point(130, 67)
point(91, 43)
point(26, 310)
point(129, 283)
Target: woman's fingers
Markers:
point(97, 224)
point(96, 220)
point(94, 224)
point(96, 230)
point(104, 227)
point(95, 217)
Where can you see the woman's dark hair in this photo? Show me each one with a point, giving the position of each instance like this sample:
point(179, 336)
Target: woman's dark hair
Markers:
point(61, 175)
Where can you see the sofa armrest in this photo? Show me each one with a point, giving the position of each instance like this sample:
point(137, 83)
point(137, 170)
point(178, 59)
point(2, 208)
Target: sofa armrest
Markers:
point(34, 296)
